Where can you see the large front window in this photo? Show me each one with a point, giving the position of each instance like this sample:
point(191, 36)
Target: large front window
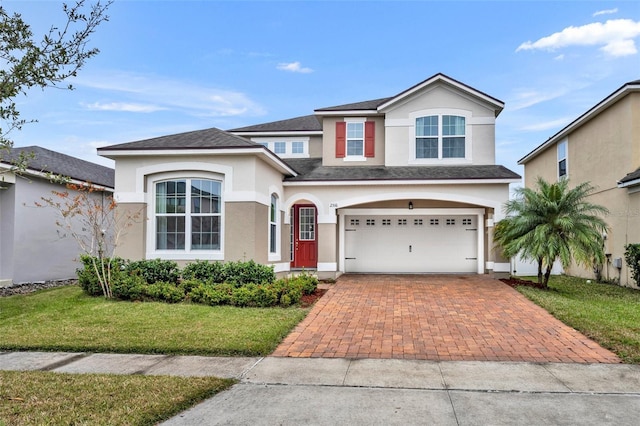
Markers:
point(187, 214)
point(440, 136)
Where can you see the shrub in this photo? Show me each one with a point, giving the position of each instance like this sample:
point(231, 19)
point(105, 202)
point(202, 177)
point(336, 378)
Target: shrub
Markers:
point(204, 271)
point(212, 295)
point(163, 291)
point(632, 258)
point(241, 273)
point(155, 270)
point(244, 296)
point(308, 282)
point(88, 279)
point(129, 287)
point(189, 284)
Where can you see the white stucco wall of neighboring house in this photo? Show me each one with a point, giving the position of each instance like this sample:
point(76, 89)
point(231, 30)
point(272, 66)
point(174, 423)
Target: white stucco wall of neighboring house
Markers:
point(33, 247)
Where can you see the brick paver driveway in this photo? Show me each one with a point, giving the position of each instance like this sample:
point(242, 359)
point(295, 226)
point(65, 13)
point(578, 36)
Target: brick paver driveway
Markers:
point(435, 317)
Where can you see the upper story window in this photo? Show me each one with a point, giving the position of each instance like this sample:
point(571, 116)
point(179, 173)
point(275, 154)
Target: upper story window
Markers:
point(286, 147)
point(355, 139)
point(562, 160)
point(188, 215)
point(441, 136)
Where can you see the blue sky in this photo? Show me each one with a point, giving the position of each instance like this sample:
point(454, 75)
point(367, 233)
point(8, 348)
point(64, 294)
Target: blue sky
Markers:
point(172, 66)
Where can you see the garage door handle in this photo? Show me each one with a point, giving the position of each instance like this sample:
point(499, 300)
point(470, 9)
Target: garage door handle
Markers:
point(349, 230)
point(349, 258)
point(471, 258)
point(470, 229)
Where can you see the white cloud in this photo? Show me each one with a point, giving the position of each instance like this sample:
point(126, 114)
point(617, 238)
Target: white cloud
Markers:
point(294, 67)
point(144, 91)
point(526, 98)
point(559, 57)
point(123, 106)
point(553, 124)
point(616, 37)
point(606, 12)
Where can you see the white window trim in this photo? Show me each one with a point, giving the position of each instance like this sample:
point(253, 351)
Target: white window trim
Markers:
point(348, 157)
point(270, 142)
point(564, 142)
point(468, 137)
point(187, 253)
point(274, 256)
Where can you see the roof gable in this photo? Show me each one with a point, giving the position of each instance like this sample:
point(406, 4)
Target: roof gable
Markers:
point(440, 78)
point(47, 161)
point(624, 90)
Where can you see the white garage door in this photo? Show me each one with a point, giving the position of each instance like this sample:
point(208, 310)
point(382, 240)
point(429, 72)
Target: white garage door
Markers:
point(413, 244)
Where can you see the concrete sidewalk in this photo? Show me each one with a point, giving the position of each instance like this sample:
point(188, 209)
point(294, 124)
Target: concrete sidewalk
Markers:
point(373, 391)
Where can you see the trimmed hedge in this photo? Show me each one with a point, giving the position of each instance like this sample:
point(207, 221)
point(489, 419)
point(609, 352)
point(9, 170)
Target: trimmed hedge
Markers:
point(243, 284)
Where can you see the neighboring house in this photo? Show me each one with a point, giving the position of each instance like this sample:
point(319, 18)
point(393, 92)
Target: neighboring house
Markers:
point(31, 247)
point(404, 184)
point(602, 146)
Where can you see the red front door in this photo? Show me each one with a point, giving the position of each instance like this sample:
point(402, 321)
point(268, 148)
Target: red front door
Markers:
point(305, 236)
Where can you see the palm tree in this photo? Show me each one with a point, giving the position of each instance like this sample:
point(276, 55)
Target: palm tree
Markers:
point(553, 222)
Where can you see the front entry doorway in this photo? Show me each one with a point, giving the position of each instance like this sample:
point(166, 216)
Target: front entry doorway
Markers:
point(304, 236)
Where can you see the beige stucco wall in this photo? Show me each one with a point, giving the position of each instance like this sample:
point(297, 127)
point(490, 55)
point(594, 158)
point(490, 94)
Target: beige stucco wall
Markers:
point(315, 146)
point(132, 241)
point(602, 151)
point(248, 183)
point(400, 125)
point(329, 144)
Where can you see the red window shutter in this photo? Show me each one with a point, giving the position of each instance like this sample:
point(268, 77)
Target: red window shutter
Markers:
point(341, 139)
point(369, 139)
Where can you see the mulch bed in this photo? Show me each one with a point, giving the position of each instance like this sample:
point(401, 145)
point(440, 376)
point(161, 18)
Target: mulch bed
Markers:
point(309, 299)
point(516, 282)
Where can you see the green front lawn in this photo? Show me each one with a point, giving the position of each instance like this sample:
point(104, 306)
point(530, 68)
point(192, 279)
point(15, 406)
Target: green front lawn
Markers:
point(608, 314)
point(37, 398)
point(65, 319)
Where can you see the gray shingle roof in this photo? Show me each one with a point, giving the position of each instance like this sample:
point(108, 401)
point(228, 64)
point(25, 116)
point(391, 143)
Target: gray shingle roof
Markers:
point(311, 169)
point(357, 106)
point(200, 139)
point(45, 160)
point(631, 176)
point(305, 123)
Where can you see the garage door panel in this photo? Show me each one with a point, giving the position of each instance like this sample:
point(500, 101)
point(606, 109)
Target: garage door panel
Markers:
point(431, 244)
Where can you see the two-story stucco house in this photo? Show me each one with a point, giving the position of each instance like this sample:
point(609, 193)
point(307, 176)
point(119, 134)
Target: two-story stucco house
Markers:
point(602, 146)
point(401, 184)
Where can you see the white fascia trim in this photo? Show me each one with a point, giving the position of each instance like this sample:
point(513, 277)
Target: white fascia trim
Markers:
point(628, 184)
point(10, 177)
point(327, 266)
point(398, 182)
point(437, 78)
point(271, 158)
point(143, 172)
point(349, 112)
point(413, 212)
point(281, 267)
point(595, 110)
point(283, 134)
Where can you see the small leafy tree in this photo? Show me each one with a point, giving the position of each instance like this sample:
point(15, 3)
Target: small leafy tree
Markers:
point(553, 222)
point(88, 215)
point(632, 257)
point(26, 62)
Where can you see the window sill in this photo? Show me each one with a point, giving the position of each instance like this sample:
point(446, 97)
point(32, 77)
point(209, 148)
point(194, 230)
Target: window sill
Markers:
point(355, 158)
point(437, 161)
point(181, 255)
point(274, 257)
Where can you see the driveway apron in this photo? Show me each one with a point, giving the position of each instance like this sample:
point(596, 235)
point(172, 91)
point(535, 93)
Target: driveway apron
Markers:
point(435, 317)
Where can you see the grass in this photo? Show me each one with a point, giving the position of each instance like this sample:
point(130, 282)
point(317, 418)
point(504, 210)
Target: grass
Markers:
point(608, 314)
point(65, 319)
point(36, 398)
